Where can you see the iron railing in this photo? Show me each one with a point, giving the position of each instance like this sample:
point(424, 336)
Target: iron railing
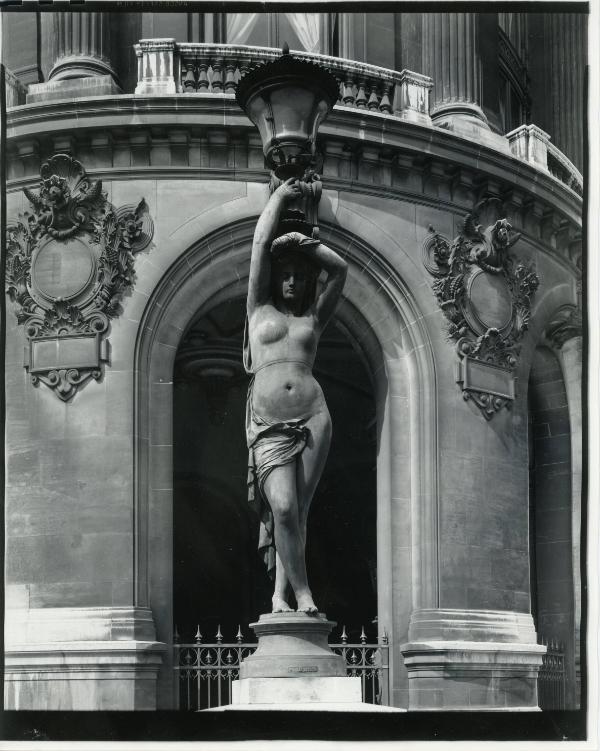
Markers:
point(206, 671)
point(552, 676)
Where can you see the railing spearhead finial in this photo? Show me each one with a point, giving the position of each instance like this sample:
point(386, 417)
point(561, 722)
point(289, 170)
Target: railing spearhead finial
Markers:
point(285, 50)
point(198, 636)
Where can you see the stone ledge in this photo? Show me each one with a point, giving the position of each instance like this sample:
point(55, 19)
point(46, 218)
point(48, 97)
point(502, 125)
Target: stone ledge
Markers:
point(309, 707)
point(504, 626)
point(94, 675)
point(218, 111)
point(72, 625)
point(72, 89)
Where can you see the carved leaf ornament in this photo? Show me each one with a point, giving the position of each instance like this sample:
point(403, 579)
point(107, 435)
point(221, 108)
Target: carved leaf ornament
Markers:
point(485, 294)
point(69, 262)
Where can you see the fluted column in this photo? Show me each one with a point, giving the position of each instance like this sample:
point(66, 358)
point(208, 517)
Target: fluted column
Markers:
point(451, 57)
point(346, 35)
point(566, 57)
point(81, 46)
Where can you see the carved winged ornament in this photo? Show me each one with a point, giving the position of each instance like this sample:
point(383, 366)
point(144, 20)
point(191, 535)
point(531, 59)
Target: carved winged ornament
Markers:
point(485, 294)
point(69, 262)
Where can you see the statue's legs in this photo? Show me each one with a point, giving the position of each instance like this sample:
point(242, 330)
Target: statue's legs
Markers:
point(282, 583)
point(280, 489)
point(310, 465)
point(287, 492)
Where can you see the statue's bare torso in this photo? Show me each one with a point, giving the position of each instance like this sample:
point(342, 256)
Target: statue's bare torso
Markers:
point(285, 347)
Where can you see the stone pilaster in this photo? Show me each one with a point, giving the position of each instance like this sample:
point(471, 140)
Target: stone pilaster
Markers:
point(566, 337)
point(571, 363)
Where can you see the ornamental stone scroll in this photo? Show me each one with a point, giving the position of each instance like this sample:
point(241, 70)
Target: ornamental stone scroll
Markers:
point(485, 294)
point(69, 262)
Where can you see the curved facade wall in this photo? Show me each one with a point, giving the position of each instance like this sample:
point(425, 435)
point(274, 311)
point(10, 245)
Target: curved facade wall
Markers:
point(90, 480)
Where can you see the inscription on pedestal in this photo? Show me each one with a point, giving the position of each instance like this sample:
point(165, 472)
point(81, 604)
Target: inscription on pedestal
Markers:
point(303, 669)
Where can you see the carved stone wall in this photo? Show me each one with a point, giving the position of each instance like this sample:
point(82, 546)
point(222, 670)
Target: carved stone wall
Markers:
point(70, 261)
point(486, 296)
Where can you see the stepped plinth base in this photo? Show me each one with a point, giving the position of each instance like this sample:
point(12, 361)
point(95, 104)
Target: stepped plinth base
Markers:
point(302, 689)
point(293, 645)
point(294, 667)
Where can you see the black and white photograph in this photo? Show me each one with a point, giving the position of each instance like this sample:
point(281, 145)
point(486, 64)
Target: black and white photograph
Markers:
point(299, 336)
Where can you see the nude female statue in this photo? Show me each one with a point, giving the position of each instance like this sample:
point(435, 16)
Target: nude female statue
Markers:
point(288, 426)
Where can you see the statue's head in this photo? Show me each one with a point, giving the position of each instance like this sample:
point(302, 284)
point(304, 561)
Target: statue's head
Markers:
point(293, 274)
point(501, 234)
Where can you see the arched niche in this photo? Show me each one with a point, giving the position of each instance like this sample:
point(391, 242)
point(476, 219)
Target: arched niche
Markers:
point(379, 316)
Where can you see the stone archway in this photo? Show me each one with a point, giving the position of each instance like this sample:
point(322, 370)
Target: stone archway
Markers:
point(380, 317)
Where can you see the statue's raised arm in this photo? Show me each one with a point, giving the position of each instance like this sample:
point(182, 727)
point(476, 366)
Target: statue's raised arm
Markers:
point(259, 283)
point(288, 427)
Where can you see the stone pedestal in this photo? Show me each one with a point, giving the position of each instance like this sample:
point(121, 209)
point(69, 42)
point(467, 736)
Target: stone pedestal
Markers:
point(294, 664)
point(81, 659)
point(472, 660)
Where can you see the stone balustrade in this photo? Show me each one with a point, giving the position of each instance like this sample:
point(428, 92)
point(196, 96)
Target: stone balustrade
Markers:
point(563, 169)
point(533, 145)
point(15, 90)
point(165, 67)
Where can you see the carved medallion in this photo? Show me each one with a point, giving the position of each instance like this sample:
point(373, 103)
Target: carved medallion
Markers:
point(68, 264)
point(485, 294)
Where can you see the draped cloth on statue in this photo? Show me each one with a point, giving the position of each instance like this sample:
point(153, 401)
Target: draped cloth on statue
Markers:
point(270, 444)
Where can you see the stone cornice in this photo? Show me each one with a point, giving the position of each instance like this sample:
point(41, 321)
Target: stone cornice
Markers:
point(208, 137)
point(206, 111)
point(332, 183)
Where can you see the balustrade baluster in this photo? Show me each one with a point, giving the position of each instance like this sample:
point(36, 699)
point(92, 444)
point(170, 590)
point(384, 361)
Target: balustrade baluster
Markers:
point(203, 81)
point(189, 80)
point(348, 95)
point(373, 103)
point(361, 97)
point(385, 104)
point(243, 67)
point(217, 75)
point(230, 76)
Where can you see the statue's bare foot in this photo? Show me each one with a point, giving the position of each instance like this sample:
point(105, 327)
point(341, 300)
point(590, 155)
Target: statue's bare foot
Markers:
point(306, 604)
point(280, 605)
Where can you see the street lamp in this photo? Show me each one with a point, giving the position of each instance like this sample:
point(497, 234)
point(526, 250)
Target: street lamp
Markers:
point(287, 99)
